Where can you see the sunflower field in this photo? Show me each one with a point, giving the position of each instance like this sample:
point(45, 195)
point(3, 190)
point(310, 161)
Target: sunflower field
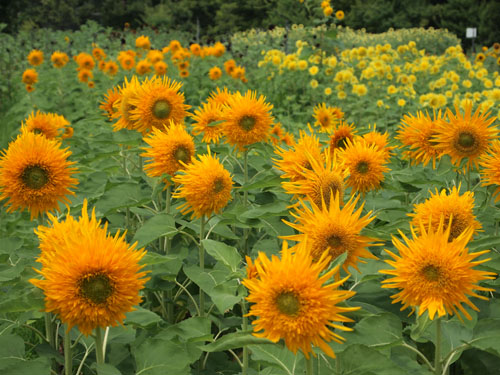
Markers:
point(301, 200)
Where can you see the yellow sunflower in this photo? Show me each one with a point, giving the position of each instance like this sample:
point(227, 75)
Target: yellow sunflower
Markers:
point(458, 208)
point(324, 179)
point(247, 119)
point(123, 107)
point(35, 174)
point(35, 57)
point(215, 73)
point(206, 121)
point(296, 158)
point(90, 278)
point(107, 105)
point(47, 124)
point(465, 136)
point(434, 274)
point(30, 76)
point(380, 140)
point(143, 67)
point(168, 149)
point(366, 165)
point(490, 175)
point(206, 186)
point(156, 103)
point(326, 118)
point(339, 137)
point(59, 59)
point(334, 229)
point(417, 133)
point(292, 301)
point(219, 96)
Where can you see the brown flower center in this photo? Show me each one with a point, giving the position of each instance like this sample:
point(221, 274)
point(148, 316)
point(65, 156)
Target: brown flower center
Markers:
point(466, 140)
point(431, 273)
point(35, 177)
point(288, 303)
point(95, 287)
point(37, 131)
point(362, 167)
point(247, 123)
point(219, 185)
point(341, 143)
point(181, 153)
point(161, 109)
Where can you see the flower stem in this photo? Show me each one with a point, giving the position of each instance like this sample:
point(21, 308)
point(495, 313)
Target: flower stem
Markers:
point(170, 300)
point(437, 353)
point(68, 356)
point(245, 199)
point(309, 366)
point(244, 367)
point(202, 263)
point(99, 346)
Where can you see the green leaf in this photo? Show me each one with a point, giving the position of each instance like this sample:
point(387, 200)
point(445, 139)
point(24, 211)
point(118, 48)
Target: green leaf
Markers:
point(142, 317)
point(10, 244)
point(106, 369)
point(19, 366)
point(487, 336)
point(228, 255)
point(234, 340)
point(11, 346)
point(120, 196)
point(266, 210)
point(154, 228)
point(362, 360)
point(275, 355)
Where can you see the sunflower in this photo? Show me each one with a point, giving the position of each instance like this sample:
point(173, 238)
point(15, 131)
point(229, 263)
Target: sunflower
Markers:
point(90, 278)
point(293, 302)
point(206, 186)
point(340, 136)
point(183, 73)
point(35, 57)
point(30, 76)
point(160, 68)
point(490, 175)
point(143, 67)
point(366, 165)
point(156, 103)
point(59, 59)
point(435, 274)
point(35, 174)
point(111, 68)
point(85, 61)
point(84, 75)
point(143, 42)
point(215, 73)
point(334, 229)
point(107, 105)
point(247, 119)
point(206, 121)
point(123, 107)
point(381, 141)
point(468, 136)
point(319, 183)
point(325, 118)
point(296, 158)
point(98, 53)
point(168, 149)
point(220, 96)
point(458, 208)
point(47, 124)
point(229, 66)
point(417, 133)
point(126, 59)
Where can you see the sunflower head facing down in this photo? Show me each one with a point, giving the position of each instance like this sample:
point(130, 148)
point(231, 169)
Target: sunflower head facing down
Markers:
point(35, 174)
point(247, 119)
point(90, 278)
point(435, 274)
point(293, 301)
point(169, 151)
point(466, 136)
point(206, 186)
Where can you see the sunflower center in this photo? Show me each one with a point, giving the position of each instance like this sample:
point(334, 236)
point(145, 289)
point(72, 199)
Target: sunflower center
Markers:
point(466, 140)
point(218, 185)
point(342, 142)
point(334, 241)
point(35, 177)
point(431, 272)
point(96, 287)
point(161, 109)
point(324, 120)
point(362, 167)
point(247, 123)
point(37, 131)
point(288, 303)
point(181, 153)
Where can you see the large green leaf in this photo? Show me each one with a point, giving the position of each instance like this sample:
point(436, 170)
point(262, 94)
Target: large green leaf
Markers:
point(228, 255)
point(154, 228)
point(235, 340)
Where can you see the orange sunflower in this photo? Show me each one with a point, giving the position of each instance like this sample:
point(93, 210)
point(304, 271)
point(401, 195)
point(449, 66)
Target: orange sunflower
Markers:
point(490, 172)
point(107, 105)
point(380, 140)
point(30, 76)
point(340, 136)
point(247, 119)
point(293, 301)
point(123, 106)
point(219, 96)
point(35, 57)
point(326, 118)
point(51, 125)
point(206, 121)
point(35, 174)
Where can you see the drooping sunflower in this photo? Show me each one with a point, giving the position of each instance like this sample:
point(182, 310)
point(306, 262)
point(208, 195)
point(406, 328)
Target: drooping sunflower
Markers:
point(326, 118)
point(247, 119)
point(35, 174)
point(435, 274)
point(107, 105)
point(296, 158)
point(50, 125)
point(90, 278)
point(156, 103)
point(339, 137)
point(458, 208)
point(490, 175)
point(465, 136)
point(123, 107)
point(206, 186)
point(35, 57)
point(168, 149)
point(324, 179)
point(417, 133)
point(206, 121)
point(366, 165)
point(334, 229)
point(292, 301)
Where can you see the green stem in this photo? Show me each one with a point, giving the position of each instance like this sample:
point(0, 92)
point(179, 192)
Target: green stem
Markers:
point(170, 299)
point(437, 353)
point(49, 330)
point(309, 366)
point(68, 357)
point(202, 263)
point(99, 346)
point(468, 179)
point(244, 367)
point(245, 199)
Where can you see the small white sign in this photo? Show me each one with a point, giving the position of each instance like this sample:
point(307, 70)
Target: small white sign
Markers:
point(471, 32)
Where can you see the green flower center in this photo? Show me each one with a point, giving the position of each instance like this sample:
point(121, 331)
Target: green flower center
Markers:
point(37, 131)
point(35, 177)
point(342, 142)
point(247, 123)
point(334, 241)
point(431, 272)
point(362, 167)
point(96, 287)
point(466, 140)
point(161, 109)
point(288, 303)
point(181, 153)
point(218, 185)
